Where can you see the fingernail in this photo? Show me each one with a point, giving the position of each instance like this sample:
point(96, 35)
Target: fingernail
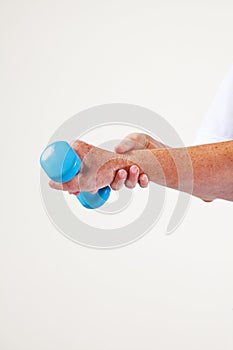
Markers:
point(134, 169)
point(122, 174)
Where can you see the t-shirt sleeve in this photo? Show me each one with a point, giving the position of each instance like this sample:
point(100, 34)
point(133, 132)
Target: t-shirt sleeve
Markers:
point(218, 123)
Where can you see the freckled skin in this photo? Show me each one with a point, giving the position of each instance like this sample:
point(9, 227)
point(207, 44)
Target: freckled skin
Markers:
point(205, 171)
point(213, 170)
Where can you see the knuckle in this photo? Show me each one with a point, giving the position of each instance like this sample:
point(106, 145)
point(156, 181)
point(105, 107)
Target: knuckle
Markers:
point(70, 186)
point(129, 184)
point(134, 135)
point(138, 138)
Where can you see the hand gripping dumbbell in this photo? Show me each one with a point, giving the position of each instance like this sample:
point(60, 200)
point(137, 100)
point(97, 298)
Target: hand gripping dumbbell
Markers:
point(61, 164)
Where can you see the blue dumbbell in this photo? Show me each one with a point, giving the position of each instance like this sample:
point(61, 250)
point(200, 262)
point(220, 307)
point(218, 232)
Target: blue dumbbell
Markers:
point(61, 164)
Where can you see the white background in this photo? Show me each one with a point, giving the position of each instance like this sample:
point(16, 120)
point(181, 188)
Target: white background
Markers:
point(163, 292)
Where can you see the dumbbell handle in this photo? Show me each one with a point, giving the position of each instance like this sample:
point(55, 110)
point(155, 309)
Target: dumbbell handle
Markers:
point(61, 164)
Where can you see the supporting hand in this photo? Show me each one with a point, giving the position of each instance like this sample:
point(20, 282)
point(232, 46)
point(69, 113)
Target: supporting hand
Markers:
point(134, 141)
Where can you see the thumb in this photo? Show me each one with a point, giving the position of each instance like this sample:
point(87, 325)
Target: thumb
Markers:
point(125, 145)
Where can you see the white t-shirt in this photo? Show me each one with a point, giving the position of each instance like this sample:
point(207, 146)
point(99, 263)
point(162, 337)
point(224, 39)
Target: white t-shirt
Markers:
point(218, 123)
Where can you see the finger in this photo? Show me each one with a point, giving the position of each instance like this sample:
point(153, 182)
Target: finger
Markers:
point(131, 142)
point(55, 185)
point(132, 179)
point(125, 145)
point(119, 180)
point(74, 193)
point(143, 180)
point(70, 186)
point(93, 192)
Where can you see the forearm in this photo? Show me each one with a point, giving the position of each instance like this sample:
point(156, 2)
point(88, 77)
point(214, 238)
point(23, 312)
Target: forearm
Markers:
point(206, 171)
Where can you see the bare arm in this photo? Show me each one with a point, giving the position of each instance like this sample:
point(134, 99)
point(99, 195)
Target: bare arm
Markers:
point(207, 168)
point(205, 171)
